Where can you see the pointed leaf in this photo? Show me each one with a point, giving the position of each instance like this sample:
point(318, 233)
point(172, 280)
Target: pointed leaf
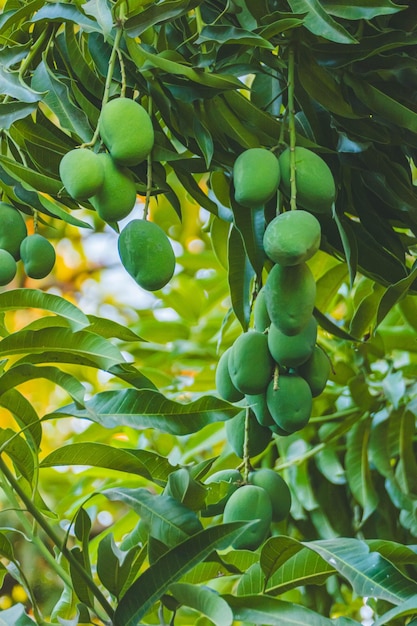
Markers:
point(319, 22)
point(15, 616)
point(409, 607)
point(28, 176)
point(24, 414)
point(240, 276)
point(304, 568)
point(276, 551)
point(100, 10)
point(149, 409)
point(34, 298)
point(204, 600)
point(154, 582)
point(10, 112)
point(18, 450)
point(358, 469)
point(361, 9)
point(368, 572)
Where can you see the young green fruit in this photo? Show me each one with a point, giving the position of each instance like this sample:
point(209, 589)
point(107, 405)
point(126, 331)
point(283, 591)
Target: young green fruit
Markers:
point(225, 387)
point(12, 229)
point(146, 253)
point(316, 190)
point(233, 479)
point(276, 488)
point(8, 267)
point(290, 293)
point(250, 362)
point(261, 320)
point(116, 197)
point(126, 130)
point(248, 503)
point(290, 403)
point(292, 350)
point(259, 437)
point(38, 256)
point(316, 371)
point(81, 172)
point(259, 407)
point(256, 176)
point(292, 237)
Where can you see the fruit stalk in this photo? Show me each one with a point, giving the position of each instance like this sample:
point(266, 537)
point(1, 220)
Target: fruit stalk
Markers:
point(291, 125)
point(246, 457)
point(148, 171)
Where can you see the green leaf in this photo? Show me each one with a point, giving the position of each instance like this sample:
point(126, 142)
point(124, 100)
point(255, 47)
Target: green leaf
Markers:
point(368, 572)
point(15, 616)
point(81, 345)
point(275, 552)
point(100, 10)
point(24, 414)
point(394, 294)
point(19, 374)
point(10, 112)
point(113, 564)
point(33, 298)
point(358, 471)
point(18, 450)
point(409, 607)
point(261, 609)
point(149, 409)
point(167, 520)
point(28, 176)
point(303, 568)
point(60, 12)
point(96, 455)
point(204, 600)
point(231, 35)
point(361, 9)
point(6, 548)
point(59, 100)
point(157, 14)
point(240, 277)
point(110, 328)
point(319, 22)
point(397, 553)
point(59, 210)
point(11, 85)
point(154, 582)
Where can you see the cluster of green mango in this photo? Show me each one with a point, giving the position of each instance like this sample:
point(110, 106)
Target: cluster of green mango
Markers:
point(35, 251)
point(104, 178)
point(265, 497)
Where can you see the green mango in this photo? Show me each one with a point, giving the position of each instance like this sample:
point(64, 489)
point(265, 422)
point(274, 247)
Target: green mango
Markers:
point(259, 436)
point(248, 503)
point(277, 490)
point(225, 387)
point(12, 229)
point(316, 189)
point(38, 256)
point(292, 350)
point(256, 176)
point(261, 320)
point(250, 362)
point(233, 478)
point(316, 371)
point(116, 197)
point(126, 130)
point(146, 253)
point(290, 293)
point(82, 174)
point(8, 267)
point(292, 237)
point(290, 402)
point(259, 407)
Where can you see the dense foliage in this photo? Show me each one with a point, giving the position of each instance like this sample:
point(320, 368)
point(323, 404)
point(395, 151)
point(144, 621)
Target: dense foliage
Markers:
point(105, 508)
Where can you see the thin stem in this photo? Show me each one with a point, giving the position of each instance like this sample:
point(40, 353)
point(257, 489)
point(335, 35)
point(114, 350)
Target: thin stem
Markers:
point(200, 26)
point(246, 457)
point(55, 538)
point(32, 52)
point(148, 171)
point(291, 126)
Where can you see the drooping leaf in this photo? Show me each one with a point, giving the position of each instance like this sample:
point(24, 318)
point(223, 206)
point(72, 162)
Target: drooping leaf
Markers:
point(10, 112)
point(319, 22)
point(204, 600)
point(239, 281)
point(25, 415)
point(361, 9)
point(149, 409)
point(18, 450)
point(231, 35)
point(302, 569)
point(150, 585)
point(61, 12)
point(100, 10)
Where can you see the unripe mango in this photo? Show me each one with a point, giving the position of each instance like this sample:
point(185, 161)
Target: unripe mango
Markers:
point(290, 403)
point(147, 254)
point(117, 195)
point(261, 319)
point(256, 176)
point(258, 405)
point(82, 174)
point(292, 350)
point(248, 503)
point(316, 190)
point(126, 130)
point(258, 436)
point(277, 490)
point(12, 229)
point(290, 293)
point(316, 371)
point(233, 479)
point(292, 237)
point(250, 363)
point(225, 387)
point(8, 267)
point(38, 256)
